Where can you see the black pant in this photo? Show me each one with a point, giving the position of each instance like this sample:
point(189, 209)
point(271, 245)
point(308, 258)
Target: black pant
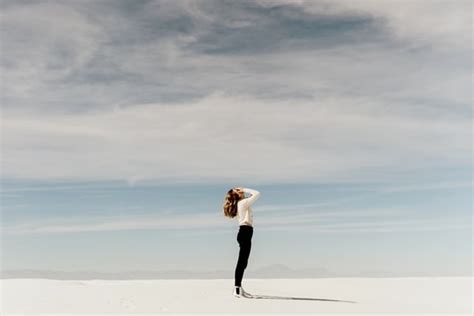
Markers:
point(244, 237)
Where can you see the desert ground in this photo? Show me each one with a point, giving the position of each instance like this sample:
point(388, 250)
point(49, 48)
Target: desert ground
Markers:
point(374, 296)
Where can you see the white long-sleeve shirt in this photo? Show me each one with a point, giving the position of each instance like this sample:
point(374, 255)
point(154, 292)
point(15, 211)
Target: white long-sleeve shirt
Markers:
point(245, 216)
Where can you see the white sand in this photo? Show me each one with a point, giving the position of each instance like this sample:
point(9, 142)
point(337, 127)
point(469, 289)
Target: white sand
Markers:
point(449, 295)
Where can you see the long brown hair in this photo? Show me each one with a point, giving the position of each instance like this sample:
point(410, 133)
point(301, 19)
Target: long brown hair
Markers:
point(230, 203)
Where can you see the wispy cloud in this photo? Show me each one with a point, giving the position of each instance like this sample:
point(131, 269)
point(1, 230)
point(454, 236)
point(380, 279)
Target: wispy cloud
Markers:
point(427, 186)
point(298, 220)
point(420, 226)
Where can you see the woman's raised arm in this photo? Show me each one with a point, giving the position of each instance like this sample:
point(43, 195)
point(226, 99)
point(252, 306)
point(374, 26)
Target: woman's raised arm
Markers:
point(254, 196)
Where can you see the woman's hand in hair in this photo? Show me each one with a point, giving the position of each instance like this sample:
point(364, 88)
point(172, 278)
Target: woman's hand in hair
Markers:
point(240, 191)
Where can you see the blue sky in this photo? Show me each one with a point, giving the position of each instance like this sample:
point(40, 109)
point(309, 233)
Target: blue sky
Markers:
point(124, 124)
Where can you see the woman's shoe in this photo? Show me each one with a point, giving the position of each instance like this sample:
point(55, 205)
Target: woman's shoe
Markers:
point(238, 291)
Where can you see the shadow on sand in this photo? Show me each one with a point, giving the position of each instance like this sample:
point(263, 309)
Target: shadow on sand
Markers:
point(273, 297)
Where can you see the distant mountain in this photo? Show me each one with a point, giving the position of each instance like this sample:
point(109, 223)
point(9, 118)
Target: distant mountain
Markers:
point(125, 275)
point(283, 271)
point(272, 271)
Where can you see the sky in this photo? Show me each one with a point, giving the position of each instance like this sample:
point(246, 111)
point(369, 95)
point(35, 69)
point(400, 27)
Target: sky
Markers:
point(124, 123)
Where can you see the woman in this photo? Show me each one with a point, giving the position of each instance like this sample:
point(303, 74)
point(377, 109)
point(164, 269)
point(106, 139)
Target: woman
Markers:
point(235, 204)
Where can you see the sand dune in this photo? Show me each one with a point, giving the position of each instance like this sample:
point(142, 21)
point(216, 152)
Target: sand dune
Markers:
point(427, 295)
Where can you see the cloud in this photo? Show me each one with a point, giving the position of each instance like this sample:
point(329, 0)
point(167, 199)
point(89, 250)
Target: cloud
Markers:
point(115, 53)
point(279, 90)
point(439, 24)
point(41, 44)
point(301, 140)
point(427, 186)
point(300, 220)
